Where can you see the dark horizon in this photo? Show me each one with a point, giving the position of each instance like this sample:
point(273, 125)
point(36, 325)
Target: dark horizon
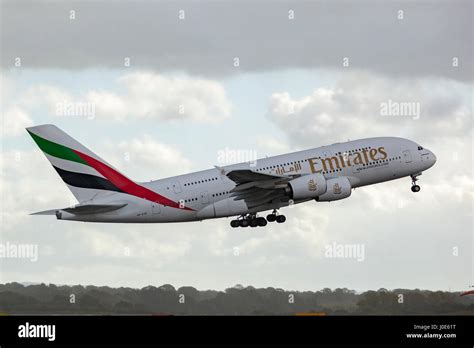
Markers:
point(16, 298)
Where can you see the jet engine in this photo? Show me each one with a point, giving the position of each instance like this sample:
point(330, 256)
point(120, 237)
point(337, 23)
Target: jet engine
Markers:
point(307, 186)
point(337, 188)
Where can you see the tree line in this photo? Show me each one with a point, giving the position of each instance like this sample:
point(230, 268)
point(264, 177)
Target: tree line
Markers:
point(16, 298)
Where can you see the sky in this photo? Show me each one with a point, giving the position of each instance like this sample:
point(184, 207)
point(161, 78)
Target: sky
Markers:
point(172, 85)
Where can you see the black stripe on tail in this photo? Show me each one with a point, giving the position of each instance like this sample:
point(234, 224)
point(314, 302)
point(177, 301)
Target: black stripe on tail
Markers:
point(86, 180)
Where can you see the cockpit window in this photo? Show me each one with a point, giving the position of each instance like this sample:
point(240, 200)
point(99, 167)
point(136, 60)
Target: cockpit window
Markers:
point(420, 147)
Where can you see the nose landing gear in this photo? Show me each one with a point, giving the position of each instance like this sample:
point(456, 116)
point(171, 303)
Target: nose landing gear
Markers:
point(414, 186)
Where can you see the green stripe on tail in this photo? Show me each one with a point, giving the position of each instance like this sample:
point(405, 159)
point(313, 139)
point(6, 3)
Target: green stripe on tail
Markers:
point(57, 150)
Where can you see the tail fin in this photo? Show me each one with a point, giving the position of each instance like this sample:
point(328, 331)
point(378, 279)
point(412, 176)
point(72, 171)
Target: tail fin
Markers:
point(85, 173)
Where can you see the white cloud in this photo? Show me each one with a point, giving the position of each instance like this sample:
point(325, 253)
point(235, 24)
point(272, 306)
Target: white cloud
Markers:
point(270, 146)
point(28, 184)
point(48, 95)
point(145, 159)
point(19, 105)
point(152, 96)
point(14, 117)
point(106, 244)
point(108, 104)
point(15, 120)
point(146, 96)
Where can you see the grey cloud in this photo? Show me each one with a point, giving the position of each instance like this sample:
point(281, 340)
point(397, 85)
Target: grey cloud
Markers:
point(260, 34)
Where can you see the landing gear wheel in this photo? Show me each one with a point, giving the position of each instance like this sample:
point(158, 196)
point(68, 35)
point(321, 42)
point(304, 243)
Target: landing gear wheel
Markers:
point(243, 223)
point(415, 188)
point(261, 221)
point(280, 219)
point(251, 220)
point(271, 217)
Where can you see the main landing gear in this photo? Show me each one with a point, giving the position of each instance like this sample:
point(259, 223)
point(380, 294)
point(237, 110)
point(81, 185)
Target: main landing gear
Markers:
point(253, 220)
point(414, 186)
point(274, 217)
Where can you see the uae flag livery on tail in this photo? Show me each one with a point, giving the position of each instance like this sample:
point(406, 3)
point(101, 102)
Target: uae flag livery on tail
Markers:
point(85, 173)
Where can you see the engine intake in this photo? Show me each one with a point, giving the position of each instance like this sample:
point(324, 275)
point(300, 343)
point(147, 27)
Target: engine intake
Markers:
point(337, 188)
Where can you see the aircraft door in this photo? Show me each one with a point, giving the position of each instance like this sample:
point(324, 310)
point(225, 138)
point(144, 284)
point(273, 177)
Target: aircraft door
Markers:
point(407, 156)
point(155, 208)
point(176, 187)
point(205, 197)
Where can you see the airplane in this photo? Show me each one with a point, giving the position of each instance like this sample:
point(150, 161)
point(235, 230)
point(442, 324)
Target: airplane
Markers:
point(322, 174)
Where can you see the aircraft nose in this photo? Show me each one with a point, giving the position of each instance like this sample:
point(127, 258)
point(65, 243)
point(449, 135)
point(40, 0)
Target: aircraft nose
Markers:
point(431, 158)
point(427, 157)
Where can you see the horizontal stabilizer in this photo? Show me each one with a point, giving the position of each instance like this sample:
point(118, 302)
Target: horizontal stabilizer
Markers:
point(85, 209)
point(46, 212)
point(93, 208)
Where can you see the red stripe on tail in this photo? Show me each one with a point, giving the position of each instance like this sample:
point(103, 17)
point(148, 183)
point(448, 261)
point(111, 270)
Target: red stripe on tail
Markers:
point(127, 185)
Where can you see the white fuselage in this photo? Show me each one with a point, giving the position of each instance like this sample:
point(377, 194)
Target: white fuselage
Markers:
point(207, 193)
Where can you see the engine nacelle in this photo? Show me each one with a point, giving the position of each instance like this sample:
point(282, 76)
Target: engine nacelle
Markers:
point(337, 188)
point(307, 186)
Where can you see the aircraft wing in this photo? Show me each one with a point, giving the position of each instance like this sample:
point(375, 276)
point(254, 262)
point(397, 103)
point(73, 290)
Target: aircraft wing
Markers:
point(257, 188)
point(85, 209)
point(245, 176)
